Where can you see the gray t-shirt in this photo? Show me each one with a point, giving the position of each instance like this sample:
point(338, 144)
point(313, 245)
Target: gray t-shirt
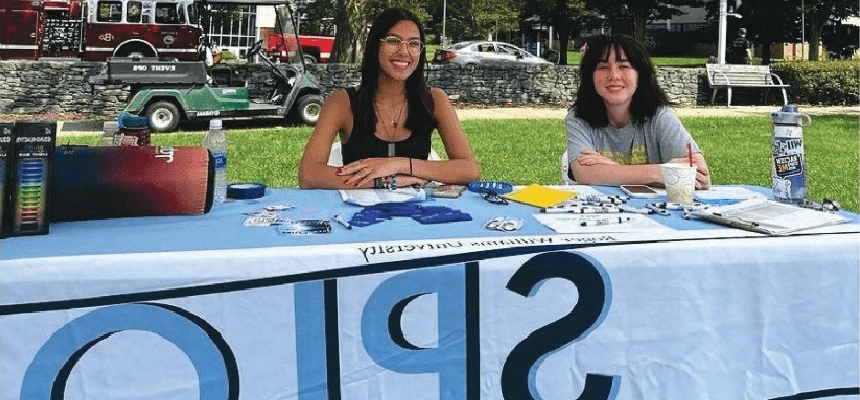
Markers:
point(656, 141)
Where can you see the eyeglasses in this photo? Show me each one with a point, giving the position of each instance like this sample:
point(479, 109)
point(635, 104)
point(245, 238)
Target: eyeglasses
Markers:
point(394, 43)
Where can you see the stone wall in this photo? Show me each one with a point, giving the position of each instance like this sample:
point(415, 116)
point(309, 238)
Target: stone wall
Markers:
point(28, 87)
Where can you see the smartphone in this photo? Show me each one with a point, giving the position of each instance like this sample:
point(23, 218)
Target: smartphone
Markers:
point(448, 191)
point(639, 191)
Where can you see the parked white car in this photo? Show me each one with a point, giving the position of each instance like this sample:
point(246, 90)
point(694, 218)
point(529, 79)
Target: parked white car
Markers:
point(487, 53)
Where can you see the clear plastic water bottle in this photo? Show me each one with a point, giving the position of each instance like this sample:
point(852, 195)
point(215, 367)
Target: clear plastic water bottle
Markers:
point(109, 129)
point(788, 161)
point(216, 142)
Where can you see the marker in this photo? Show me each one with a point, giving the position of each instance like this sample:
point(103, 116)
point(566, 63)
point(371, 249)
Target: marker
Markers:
point(337, 218)
point(610, 221)
point(635, 210)
point(583, 210)
point(657, 210)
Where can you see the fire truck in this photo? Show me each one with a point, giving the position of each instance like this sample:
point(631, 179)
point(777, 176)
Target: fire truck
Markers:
point(315, 48)
point(94, 30)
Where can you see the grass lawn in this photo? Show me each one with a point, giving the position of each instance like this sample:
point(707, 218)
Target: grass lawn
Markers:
point(528, 151)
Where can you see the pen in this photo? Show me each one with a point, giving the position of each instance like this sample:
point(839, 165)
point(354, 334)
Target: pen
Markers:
point(337, 218)
point(635, 210)
point(610, 221)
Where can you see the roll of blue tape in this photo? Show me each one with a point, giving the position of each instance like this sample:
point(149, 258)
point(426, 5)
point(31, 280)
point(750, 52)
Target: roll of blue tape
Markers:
point(246, 190)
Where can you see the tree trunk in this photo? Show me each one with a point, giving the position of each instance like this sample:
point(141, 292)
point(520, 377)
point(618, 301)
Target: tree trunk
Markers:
point(765, 52)
point(349, 33)
point(815, 26)
point(562, 50)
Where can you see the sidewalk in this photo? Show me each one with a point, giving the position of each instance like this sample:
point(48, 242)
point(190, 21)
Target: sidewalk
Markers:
point(85, 128)
point(701, 111)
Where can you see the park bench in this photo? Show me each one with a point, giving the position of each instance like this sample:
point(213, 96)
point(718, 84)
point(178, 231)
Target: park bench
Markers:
point(730, 76)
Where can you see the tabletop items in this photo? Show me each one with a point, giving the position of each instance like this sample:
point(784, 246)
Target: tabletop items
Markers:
point(788, 160)
point(26, 156)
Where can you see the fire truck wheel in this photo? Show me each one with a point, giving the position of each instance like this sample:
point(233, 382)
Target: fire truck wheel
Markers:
point(310, 59)
point(308, 108)
point(163, 116)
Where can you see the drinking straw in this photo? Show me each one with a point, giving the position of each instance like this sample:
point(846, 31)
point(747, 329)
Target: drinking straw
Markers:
point(690, 153)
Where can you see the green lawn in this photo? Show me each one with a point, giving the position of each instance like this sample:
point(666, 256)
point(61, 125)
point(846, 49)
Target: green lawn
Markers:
point(528, 151)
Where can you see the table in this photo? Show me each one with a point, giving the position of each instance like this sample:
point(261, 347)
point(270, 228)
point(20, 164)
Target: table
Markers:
point(204, 307)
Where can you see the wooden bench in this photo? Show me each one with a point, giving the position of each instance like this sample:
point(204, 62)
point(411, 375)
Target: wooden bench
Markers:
point(730, 76)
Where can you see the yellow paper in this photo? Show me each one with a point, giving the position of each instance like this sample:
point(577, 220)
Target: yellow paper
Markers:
point(539, 196)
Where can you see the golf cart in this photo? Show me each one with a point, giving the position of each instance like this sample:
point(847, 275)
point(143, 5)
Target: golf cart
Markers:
point(169, 92)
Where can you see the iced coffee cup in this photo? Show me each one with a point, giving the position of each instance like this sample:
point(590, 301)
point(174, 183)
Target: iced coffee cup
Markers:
point(680, 180)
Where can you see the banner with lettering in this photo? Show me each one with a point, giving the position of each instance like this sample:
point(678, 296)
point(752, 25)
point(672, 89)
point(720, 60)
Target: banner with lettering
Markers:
point(768, 318)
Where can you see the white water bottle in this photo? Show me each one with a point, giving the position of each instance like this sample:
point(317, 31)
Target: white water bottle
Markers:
point(109, 129)
point(216, 142)
point(788, 161)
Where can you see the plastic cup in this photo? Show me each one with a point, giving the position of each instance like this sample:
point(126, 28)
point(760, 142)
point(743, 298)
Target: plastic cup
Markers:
point(680, 180)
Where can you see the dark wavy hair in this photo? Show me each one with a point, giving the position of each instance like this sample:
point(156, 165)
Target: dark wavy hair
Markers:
point(420, 109)
point(648, 96)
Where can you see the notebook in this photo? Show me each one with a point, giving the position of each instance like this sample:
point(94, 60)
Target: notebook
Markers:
point(540, 196)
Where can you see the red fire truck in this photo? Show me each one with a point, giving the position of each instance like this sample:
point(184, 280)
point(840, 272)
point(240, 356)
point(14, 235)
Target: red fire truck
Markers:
point(315, 48)
point(94, 30)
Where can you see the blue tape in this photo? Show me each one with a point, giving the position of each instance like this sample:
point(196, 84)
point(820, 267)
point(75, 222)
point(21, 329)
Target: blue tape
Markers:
point(246, 190)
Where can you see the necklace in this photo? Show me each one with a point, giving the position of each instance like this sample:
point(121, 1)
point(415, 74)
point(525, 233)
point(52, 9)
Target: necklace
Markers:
point(395, 122)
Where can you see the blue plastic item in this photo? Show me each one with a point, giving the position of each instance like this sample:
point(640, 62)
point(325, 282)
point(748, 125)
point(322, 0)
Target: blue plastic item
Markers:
point(497, 187)
point(129, 120)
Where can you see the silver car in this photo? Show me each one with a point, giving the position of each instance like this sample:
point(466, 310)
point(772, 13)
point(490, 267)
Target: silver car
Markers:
point(486, 53)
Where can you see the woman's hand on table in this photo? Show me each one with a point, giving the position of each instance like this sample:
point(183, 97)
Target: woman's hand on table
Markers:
point(703, 174)
point(364, 171)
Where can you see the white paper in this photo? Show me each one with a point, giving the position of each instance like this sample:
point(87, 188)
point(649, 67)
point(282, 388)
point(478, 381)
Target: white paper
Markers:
point(369, 197)
point(607, 222)
point(768, 216)
point(727, 193)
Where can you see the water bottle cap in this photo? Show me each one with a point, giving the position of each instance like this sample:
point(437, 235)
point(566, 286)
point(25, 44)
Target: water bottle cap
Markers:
point(110, 126)
point(215, 124)
point(789, 108)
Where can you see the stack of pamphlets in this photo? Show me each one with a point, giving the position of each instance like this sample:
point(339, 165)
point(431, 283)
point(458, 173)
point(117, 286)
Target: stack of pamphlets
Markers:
point(769, 217)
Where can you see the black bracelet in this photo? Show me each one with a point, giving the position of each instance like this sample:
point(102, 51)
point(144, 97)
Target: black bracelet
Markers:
point(393, 184)
point(378, 183)
point(410, 167)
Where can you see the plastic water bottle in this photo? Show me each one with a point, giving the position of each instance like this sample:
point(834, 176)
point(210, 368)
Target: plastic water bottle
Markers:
point(108, 130)
point(788, 172)
point(216, 142)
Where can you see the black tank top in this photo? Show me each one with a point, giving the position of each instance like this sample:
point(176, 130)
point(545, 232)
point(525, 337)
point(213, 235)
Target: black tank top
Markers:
point(362, 144)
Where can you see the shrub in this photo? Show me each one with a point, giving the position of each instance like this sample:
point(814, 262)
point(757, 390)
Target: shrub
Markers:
point(821, 82)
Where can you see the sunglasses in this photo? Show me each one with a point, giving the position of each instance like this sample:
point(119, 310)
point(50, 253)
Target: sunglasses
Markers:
point(493, 197)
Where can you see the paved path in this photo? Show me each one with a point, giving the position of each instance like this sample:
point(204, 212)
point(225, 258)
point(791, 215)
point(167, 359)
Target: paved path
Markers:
point(716, 111)
point(85, 128)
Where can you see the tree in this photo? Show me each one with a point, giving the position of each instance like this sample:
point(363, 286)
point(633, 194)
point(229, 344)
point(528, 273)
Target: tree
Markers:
point(643, 11)
point(565, 16)
point(818, 12)
point(769, 21)
point(476, 19)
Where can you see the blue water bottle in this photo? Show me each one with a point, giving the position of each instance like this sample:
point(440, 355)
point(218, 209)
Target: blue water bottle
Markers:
point(788, 171)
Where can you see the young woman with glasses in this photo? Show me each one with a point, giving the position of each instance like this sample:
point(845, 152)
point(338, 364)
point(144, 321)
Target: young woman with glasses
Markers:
point(385, 125)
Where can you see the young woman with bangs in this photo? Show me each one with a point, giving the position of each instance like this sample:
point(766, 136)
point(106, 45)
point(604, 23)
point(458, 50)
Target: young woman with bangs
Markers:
point(620, 127)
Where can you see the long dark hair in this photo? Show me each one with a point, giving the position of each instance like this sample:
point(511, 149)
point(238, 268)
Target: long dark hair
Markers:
point(420, 109)
point(648, 96)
